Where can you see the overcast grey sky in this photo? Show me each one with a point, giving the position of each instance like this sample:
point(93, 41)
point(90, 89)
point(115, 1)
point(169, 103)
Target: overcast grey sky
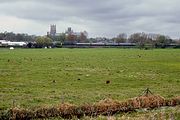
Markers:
point(98, 17)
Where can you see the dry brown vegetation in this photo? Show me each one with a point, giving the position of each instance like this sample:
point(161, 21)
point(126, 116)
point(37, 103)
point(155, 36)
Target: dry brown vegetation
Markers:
point(103, 107)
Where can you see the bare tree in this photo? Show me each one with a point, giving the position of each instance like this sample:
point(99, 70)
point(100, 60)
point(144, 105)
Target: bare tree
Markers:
point(121, 38)
point(139, 38)
point(162, 41)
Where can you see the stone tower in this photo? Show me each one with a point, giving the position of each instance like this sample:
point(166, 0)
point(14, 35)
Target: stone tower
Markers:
point(53, 30)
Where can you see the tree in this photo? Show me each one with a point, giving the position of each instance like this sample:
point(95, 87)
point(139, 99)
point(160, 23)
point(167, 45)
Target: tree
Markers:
point(121, 38)
point(20, 37)
point(82, 37)
point(43, 41)
point(162, 41)
point(62, 38)
point(139, 38)
point(178, 42)
point(2, 36)
point(71, 38)
point(10, 36)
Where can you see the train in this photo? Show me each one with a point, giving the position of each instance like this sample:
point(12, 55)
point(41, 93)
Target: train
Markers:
point(86, 45)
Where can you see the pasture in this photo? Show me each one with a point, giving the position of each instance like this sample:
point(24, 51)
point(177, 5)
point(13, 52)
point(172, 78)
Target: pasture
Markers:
point(40, 77)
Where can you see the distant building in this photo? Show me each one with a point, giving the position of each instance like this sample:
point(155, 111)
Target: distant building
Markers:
point(69, 31)
point(70, 35)
point(75, 36)
point(52, 31)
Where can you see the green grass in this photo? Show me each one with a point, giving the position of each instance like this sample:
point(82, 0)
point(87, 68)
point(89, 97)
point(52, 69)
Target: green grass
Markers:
point(80, 75)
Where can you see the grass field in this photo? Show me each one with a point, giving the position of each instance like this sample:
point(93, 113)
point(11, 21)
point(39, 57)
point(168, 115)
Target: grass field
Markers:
point(36, 77)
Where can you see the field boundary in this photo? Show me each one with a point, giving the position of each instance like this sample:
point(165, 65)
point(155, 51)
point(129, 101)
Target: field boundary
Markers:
point(105, 107)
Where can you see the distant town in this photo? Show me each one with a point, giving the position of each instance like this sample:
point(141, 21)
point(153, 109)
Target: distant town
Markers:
point(71, 38)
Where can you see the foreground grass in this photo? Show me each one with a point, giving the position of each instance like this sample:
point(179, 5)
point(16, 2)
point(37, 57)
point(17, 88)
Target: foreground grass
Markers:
point(36, 77)
point(164, 113)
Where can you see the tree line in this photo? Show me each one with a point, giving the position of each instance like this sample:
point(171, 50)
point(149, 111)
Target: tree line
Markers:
point(141, 39)
point(13, 37)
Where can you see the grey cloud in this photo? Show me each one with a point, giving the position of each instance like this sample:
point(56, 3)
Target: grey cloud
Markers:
point(114, 15)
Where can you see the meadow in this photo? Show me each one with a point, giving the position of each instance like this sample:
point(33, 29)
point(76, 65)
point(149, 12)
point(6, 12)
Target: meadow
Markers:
point(44, 77)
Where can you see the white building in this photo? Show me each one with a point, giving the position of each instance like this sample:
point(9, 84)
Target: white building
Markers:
point(9, 43)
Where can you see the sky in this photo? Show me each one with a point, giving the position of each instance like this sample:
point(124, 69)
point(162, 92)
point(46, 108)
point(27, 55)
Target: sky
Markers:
point(100, 18)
